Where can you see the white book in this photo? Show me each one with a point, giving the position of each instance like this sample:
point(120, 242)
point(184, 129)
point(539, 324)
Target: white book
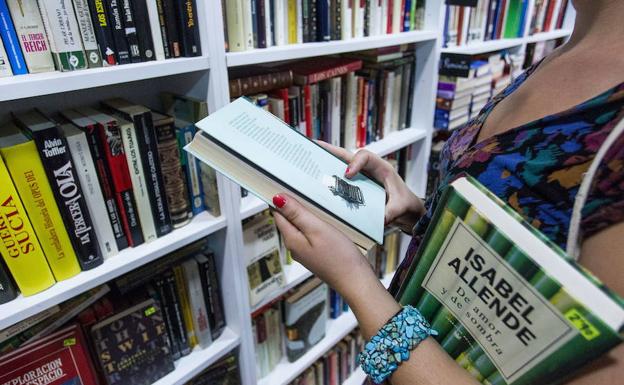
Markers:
point(157, 38)
point(59, 21)
point(276, 106)
point(247, 24)
point(396, 16)
point(465, 24)
point(197, 303)
point(31, 35)
point(336, 86)
point(350, 128)
point(82, 158)
point(358, 18)
point(346, 19)
point(299, 22)
point(383, 22)
point(389, 96)
point(376, 17)
point(137, 177)
point(555, 16)
point(5, 66)
point(279, 25)
point(87, 34)
point(267, 24)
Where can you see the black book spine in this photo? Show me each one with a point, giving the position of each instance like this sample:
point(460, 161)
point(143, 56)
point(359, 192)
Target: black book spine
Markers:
point(178, 318)
point(8, 290)
point(119, 35)
point(144, 34)
point(191, 10)
point(367, 10)
point(160, 7)
point(323, 20)
point(129, 24)
point(186, 17)
point(66, 188)
point(305, 20)
point(410, 96)
point(313, 19)
point(173, 35)
point(106, 183)
point(103, 31)
point(161, 293)
point(148, 146)
point(254, 22)
point(337, 6)
point(212, 295)
point(261, 16)
point(272, 19)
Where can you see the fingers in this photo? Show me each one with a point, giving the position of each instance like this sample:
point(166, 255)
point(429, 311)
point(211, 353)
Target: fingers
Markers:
point(358, 163)
point(340, 152)
point(293, 238)
point(306, 222)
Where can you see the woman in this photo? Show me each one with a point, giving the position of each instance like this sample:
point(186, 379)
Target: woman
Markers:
point(530, 146)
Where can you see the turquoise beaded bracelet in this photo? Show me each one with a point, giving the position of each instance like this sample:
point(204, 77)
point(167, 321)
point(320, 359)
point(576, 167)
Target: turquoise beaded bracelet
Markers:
point(393, 343)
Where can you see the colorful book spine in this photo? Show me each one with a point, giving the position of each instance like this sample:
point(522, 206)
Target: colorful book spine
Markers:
point(20, 247)
point(87, 33)
point(130, 30)
point(323, 32)
point(197, 303)
point(292, 21)
point(103, 31)
point(31, 35)
point(59, 21)
point(187, 313)
point(31, 182)
point(115, 18)
point(8, 36)
point(191, 168)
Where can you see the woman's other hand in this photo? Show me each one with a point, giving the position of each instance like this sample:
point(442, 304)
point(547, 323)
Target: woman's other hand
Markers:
point(403, 207)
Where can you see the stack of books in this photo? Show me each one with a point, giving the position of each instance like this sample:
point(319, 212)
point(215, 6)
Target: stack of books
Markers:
point(86, 183)
point(336, 365)
point(347, 101)
point(68, 35)
point(253, 24)
point(130, 332)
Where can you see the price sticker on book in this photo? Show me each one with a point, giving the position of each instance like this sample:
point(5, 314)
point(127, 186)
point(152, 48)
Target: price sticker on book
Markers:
point(69, 342)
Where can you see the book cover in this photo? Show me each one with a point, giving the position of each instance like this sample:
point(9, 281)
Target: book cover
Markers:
point(117, 32)
point(146, 137)
point(103, 31)
point(150, 38)
point(61, 26)
point(176, 190)
point(27, 171)
point(130, 29)
point(63, 358)
point(212, 292)
point(197, 303)
point(81, 117)
point(87, 33)
point(62, 176)
point(136, 335)
point(8, 290)
point(82, 157)
point(510, 306)
point(31, 35)
point(8, 39)
point(305, 317)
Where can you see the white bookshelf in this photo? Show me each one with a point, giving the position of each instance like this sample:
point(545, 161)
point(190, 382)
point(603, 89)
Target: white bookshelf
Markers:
point(206, 78)
point(477, 48)
point(356, 378)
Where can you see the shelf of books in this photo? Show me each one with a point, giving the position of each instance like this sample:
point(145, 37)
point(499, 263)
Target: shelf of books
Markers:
point(294, 274)
point(480, 47)
point(22, 307)
point(189, 366)
point(304, 50)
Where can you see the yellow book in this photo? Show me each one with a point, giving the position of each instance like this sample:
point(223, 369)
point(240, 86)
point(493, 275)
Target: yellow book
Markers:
point(19, 245)
point(292, 21)
point(187, 313)
point(22, 159)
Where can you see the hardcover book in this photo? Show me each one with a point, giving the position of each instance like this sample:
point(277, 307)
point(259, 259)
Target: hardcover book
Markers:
point(22, 159)
point(60, 359)
point(61, 172)
point(14, 58)
point(31, 35)
point(87, 33)
point(136, 335)
point(508, 304)
point(267, 157)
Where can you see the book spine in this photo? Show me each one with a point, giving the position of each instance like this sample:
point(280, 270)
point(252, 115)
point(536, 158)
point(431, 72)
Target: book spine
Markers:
point(184, 28)
point(292, 21)
point(162, 294)
point(79, 149)
point(187, 313)
point(254, 22)
point(313, 20)
point(268, 22)
point(8, 36)
point(323, 21)
point(329, 73)
point(193, 47)
point(87, 33)
point(59, 21)
point(96, 147)
point(32, 184)
point(148, 146)
point(261, 19)
point(191, 167)
point(235, 30)
point(197, 303)
point(103, 32)
point(143, 30)
point(8, 291)
point(61, 174)
point(177, 314)
point(5, 67)
point(164, 35)
point(346, 17)
point(173, 34)
point(31, 35)
point(20, 247)
point(212, 294)
point(154, 29)
point(337, 19)
point(305, 21)
point(139, 187)
point(110, 137)
point(130, 30)
point(118, 32)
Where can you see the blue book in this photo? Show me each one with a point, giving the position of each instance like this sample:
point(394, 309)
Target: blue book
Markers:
point(407, 15)
point(497, 19)
point(335, 305)
point(523, 15)
point(323, 20)
point(447, 15)
point(190, 164)
point(441, 124)
point(11, 44)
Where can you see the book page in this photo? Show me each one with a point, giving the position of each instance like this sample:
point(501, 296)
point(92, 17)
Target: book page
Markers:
point(278, 150)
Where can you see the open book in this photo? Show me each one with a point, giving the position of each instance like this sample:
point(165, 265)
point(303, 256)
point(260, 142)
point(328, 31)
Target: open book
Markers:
point(508, 304)
point(264, 155)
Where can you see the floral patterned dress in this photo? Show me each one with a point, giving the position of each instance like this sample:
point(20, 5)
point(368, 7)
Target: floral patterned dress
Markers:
point(538, 167)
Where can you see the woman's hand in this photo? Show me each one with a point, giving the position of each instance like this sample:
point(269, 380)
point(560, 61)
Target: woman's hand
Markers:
point(403, 207)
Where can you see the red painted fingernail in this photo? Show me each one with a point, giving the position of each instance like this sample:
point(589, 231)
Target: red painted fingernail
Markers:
point(279, 201)
point(347, 171)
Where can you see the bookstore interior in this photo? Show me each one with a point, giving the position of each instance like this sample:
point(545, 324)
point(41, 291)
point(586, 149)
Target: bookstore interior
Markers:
point(134, 252)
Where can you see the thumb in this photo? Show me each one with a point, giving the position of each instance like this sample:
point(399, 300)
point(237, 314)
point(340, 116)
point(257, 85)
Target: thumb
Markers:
point(297, 214)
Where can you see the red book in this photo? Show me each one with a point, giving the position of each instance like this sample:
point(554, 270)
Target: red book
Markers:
point(313, 71)
point(364, 122)
point(501, 18)
point(389, 21)
point(307, 109)
point(402, 22)
point(360, 112)
point(549, 15)
point(562, 12)
point(460, 25)
point(282, 93)
point(61, 358)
